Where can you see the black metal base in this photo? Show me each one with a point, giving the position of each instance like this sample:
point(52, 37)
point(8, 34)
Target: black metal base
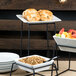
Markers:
point(66, 71)
point(35, 74)
point(68, 67)
point(53, 65)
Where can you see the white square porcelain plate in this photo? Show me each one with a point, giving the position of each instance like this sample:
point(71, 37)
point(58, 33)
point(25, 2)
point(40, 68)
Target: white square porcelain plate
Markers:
point(55, 19)
point(34, 66)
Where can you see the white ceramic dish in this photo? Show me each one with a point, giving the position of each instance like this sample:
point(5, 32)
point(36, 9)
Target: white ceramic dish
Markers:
point(8, 69)
point(35, 66)
point(55, 19)
point(7, 63)
point(6, 60)
point(7, 66)
point(66, 42)
point(6, 57)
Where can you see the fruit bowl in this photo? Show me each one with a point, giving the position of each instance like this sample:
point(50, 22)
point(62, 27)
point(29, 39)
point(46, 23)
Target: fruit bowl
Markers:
point(65, 44)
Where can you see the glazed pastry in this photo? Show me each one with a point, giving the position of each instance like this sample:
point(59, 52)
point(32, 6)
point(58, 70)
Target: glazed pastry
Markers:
point(31, 15)
point(45, 15)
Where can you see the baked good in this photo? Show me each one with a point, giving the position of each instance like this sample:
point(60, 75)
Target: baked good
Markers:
point(45, 15)
point(31, 15)
point(33, 60)
point(28, 11)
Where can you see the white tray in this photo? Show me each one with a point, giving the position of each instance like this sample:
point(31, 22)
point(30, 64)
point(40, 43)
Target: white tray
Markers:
point(66, 42)
point(55, 19)
point(35, 66)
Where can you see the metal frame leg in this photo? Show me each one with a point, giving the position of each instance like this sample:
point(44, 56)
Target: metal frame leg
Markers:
point(12, 69)
point(28, 38)
point(69, 60)
point(47, 40)
point(52, 70)
point(55, 28)
point(68, 66)
point(21, 39)
point(53, 65)
point(56, 70)
point(33, 72)
point(56, 47)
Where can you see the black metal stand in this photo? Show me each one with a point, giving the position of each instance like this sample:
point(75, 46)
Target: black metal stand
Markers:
point(56, 48)
point(69, 69)
point(29, 42)
point(29, 38)
point(33, 69)
point(47, 41)
point(21, 38)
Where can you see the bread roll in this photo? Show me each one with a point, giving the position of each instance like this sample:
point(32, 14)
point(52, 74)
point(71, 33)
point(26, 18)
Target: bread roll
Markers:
point(45, 15)
point(31, 15)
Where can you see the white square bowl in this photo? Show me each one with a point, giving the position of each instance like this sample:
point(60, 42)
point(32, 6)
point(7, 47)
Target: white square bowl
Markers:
point(67, 44)
point(35, 67)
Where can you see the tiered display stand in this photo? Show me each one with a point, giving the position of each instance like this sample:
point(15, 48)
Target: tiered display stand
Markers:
point(55, 19)
point(67, 45)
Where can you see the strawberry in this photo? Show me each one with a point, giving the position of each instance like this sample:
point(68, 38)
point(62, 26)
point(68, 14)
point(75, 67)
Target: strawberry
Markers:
point(72, 31)
point(61, 31)
point(74, 35)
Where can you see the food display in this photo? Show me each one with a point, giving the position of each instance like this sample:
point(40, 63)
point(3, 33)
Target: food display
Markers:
point(31, 15)
point(34, 15)
point(36, 62)
point(33, 60)
point(46, 15)
point(71, 33)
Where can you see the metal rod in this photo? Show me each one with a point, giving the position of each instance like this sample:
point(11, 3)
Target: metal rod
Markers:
point(47, 40)
point(28, 39)
point(39, 74)
point(21, 39)
point(57, 60)
point(52, 70)
point(56, 47)
point(63, 72)
point(11, 69)
point(56, 70)
point(69, 60)
point(72, 70)
point(55, 28)
point(33, 72)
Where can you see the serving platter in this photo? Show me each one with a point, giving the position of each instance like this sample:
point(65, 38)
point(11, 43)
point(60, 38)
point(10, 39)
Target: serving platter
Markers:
point(6, 60)
point(8, 69)
point(6, 57)
point(66, 44)
point(36, 67)
point(7, 66)
point(55, 19)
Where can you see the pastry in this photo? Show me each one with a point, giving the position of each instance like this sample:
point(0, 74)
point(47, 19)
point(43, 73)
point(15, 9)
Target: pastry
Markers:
point(31, 15)
point(45, 15)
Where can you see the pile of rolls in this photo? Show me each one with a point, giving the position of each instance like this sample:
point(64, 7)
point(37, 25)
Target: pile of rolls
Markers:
point(33, 15)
